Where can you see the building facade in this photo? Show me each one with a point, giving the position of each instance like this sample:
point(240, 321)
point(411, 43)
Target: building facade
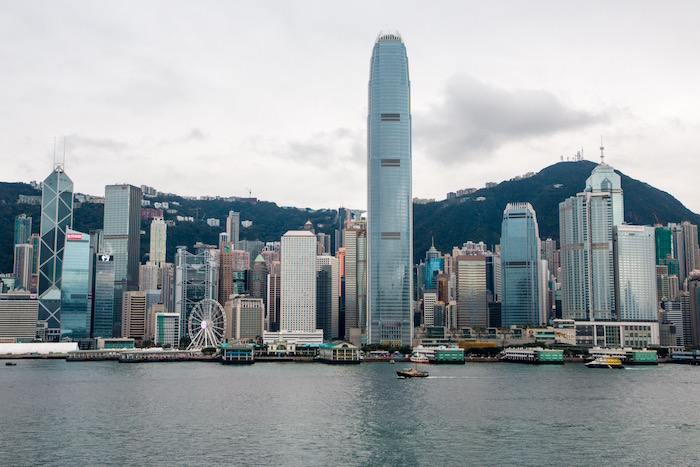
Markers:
point(389, 198)
point(635, 273)
point(76, 290)
point(56, 218)
point(159, 236)
point(520, 263)
point(298, 298)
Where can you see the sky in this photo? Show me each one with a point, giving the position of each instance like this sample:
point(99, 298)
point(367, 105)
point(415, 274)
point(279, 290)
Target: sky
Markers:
point(222, 97)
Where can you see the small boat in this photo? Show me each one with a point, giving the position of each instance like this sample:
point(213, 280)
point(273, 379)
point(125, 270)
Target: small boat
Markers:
point(417, 358)
point(411, 373)
point(10, 364)
point(392, 361)
point(605, 362)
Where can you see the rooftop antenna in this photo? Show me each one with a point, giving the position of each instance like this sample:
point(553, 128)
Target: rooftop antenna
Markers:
point(602, 156)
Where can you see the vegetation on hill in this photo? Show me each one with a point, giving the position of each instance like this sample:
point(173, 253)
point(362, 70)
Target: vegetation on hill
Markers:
point(475, 217)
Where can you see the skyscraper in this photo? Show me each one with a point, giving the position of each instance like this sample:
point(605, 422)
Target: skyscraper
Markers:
point(22, 267)
point(122, 223)
point(103, 296)
point(355, 241)
point(159, 232)
point(298, 298)
point(56, 218)
point(196, 279)
point(635, 273)
point(472, 298)
point(327, 296)
point(76, 289)
point(586, 222)
point(233, 227)
point(520, 263)
point(390, 208)
point(23, 229)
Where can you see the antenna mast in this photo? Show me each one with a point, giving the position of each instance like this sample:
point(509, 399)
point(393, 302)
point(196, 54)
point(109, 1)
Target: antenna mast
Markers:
point(602, 155)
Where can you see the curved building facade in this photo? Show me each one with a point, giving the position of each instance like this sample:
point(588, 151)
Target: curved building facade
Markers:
point(390, 208)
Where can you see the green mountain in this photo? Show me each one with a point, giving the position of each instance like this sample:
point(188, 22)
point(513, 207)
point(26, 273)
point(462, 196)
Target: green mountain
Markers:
point(478, 216)
point(475, 217)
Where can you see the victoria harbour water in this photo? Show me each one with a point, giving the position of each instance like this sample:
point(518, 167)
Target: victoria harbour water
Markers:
point(195, 413)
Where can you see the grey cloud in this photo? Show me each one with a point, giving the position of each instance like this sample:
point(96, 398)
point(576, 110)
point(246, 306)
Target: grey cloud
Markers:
point(195, 135)
point(340, 145)
point(77, 142)
point(474, 118)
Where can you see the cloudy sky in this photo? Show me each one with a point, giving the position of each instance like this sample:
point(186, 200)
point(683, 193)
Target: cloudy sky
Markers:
point(215, 97)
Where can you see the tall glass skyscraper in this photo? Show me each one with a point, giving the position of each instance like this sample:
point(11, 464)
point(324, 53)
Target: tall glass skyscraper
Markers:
point(586, 224)
point(122, 224)
point(390, 208)
point(76, 290)
point(56, 218)
point(23, 229)
point(520, 262)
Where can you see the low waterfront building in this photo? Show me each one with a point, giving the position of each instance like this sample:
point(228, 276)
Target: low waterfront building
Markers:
point(532, 355)
point(339, 352)
point(18, 316)
point(452, 354)
point(617, 334)
point(237, 354)
point(281, 347)
point(298, 337)
point(38, 348)
point(114, 343)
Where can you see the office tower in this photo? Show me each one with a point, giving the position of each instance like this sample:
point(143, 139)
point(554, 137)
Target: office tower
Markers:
point(149, 276)
point(233, 228)
point(167, 285)
point(223, 238)
point(167, 330)
point(663, 244)
point(257, 279)
point(23, 229)
point(472, 302)
point(324, 243)
point(196, 279)
point(585, 234)
point(102, 295)
point(673, 313)
point(56, 217)
point(520, 262)
point(549, 253)
point(22, 267)
point(244, 318)
point(274, 295)
point(298, 300)
point(327, 295)
point(134, 315)
point(35, 242)
point(355, 241)
point(18, 314)
point(270, 256)
point(429, 300)
point(635, 273)
point(389, 202)
point(232, 263)
point(122, 221)
point(76, 289)
point(434, 263)
point(253, 247)
point(694, 307)
point(690, 241)
point(159, 233)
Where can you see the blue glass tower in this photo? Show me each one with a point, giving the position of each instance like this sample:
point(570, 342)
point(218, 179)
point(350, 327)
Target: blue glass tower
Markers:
point(390, 208)
point(76, 293)
point(520, 260)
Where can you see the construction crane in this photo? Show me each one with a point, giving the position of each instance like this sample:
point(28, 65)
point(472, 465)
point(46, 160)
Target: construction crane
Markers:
point(250, 192)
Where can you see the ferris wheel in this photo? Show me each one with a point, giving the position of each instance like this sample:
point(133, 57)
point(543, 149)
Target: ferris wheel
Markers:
point(206, 324)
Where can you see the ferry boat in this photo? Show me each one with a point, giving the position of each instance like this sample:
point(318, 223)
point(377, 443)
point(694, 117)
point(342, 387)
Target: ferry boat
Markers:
point(418, 358)
point(606, 362)
point(411, 373)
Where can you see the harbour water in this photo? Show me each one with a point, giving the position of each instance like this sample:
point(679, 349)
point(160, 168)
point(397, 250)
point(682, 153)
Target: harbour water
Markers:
point(105, 413)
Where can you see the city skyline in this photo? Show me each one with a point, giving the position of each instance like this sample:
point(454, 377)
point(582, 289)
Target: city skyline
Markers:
point(494, 96)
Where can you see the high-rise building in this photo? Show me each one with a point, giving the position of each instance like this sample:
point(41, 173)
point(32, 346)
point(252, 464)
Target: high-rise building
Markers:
point(355, 259)
point(22, 267)
point(298, 300)
point(149, 276)
point(274, 296)
point(693, 304)
point(23, 229)
point(159, 234)
point(35, 242)
point(134, 315)
point(690, 241)
point(166, 329)
point(390, 205)
point(585, 234)
point(244, 318)
point(434, 263)
point(76, 289)
point(103, 296)
point(122, 224)
point(635, 273)
point(257, 279)
point(231, 261)
point(233, 227)
point(56, 218)
point(327, 296)
point(472, 302)
point(520, 263)
point(18, 314)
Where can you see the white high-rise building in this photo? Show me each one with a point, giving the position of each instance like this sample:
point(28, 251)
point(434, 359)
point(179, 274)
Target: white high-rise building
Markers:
point(158, 240)
point(298, 297)
point(635, 273)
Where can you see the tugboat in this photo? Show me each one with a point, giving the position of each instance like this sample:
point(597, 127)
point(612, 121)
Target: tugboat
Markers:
point(606, 362)
point(411, 373)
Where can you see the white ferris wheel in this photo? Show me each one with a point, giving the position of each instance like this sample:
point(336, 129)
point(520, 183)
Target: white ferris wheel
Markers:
point(206, 324)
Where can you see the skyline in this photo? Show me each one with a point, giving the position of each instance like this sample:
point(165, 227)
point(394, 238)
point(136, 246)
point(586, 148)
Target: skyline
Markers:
point(498, 90)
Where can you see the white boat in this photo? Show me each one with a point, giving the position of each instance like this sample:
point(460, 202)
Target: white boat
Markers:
point(417, 358)
point(605, 362)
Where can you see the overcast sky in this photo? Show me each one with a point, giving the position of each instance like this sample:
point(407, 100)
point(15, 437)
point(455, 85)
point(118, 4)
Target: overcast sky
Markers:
point(214, 97)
